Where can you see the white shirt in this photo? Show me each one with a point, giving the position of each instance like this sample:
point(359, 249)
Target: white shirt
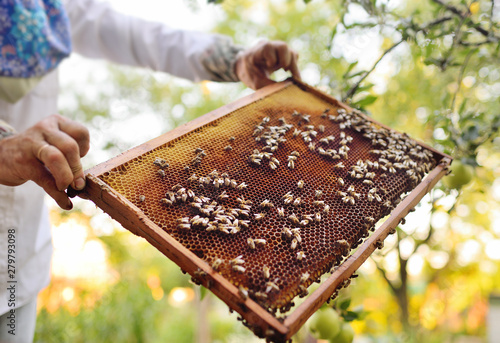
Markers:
point(97, 32)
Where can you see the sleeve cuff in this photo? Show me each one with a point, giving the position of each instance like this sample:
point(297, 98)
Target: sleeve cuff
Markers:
point(219, 60)
point(6, 130)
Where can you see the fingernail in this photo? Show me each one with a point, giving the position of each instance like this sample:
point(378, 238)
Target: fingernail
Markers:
point(79, 184)
point(69, 206)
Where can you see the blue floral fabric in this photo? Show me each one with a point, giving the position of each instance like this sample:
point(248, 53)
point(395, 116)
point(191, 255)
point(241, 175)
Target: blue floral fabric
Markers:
point(34, 37)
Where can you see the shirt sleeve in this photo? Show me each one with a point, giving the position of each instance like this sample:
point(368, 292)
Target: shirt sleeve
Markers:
point(98, 31)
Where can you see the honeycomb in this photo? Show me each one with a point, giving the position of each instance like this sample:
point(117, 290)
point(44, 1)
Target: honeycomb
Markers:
point(276, 193)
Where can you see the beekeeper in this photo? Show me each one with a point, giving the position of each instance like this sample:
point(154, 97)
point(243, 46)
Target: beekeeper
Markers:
point(40, 150)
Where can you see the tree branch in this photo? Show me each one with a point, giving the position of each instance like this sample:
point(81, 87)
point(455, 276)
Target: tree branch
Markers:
point(393, 288)
point(460, 78)
point(353, 89)
point(465, 15)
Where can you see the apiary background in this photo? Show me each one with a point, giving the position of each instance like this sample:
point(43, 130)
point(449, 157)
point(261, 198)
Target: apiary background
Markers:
point(275, 271)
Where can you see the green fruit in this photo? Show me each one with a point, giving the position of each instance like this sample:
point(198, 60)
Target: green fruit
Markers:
point(461, 174)
point(346, 334)
point(325, 323)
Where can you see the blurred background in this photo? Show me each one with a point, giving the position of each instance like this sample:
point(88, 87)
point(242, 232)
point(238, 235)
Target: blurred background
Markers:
point(418, 67)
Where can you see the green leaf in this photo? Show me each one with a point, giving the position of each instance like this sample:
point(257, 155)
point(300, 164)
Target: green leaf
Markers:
point(203, 292)
point(344, 304)
point(368, 100)
point(349, 316)
point(350, 67)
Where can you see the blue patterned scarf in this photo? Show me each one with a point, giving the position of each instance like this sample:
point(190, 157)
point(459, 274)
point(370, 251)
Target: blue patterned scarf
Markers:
point(34, 37)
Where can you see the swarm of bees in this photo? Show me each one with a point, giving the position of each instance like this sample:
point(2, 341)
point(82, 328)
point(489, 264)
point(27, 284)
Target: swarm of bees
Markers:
point(287, 222)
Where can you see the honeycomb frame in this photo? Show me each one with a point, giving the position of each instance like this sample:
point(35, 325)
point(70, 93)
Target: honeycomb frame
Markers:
point(258, 314)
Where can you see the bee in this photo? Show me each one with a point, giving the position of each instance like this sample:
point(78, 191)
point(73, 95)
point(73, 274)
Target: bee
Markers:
point(294, 243)
point(326, 209)
point(281, 212)
point(244, 223)
point(251, 243)
point(216, 264)
point(245, 207)
point(378, 198)
point(273, 165)
point(243, 292)
point(271, 286)
point(227, 181)
point(260, 296)
point(297, 201)
point(184, 197)
point(142, 198)
point(237, 260)
point(340, 181)
point(275, 160)
point(317, 217)
point(233, 183)
point(232, 138)
point(312, 146)
point(321, 128)
point(198, 150)
point(370, 175)
point(370, 219)
point(161, 172)
point(295, 113)
point(370, 197)
point(266, 271)
point(304, 222)
point(166, 201)
point(184, 220)
point(259, 216)
point(239, 269)
point(322, 151)
point(260, 241)
point(184, 226)
point(300, 184)
point(295, 153)
point(242, 186)
point(340, 165)
point(287, 232)
point(368, 182)
point(304, 277)
point(293, 218)
point(265, 120)
point(296, 132)
point(228, 148)
point(297, 236)
point(301, 255)
point(160, 162)
point(318, 193)
point(319, 203)
point(291, 164)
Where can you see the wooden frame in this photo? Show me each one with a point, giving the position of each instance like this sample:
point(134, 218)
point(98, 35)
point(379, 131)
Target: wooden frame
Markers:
point(133, 219)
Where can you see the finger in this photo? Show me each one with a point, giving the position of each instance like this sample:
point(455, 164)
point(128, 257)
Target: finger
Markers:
point(78, 132)
point(44, 179)
point(57, 164)
point(71, 151)
point(293, 68)
point(265, 56)
point(284, 56)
